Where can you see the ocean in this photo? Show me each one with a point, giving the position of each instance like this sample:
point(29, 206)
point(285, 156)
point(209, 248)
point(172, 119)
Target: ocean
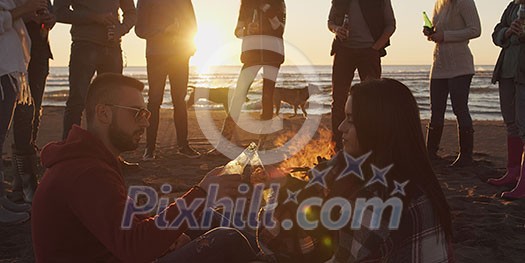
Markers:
point(483, 101)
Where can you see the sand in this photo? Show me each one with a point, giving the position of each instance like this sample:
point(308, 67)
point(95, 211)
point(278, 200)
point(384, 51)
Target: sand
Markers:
point(486, 228)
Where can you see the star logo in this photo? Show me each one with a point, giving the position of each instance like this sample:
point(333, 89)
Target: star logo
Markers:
point(318, 178)
point(399, 188)
point(292, 196)
point(353, 166)
point(379, 175)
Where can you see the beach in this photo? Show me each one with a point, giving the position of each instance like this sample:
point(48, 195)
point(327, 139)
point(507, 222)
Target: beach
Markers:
point(486, 228)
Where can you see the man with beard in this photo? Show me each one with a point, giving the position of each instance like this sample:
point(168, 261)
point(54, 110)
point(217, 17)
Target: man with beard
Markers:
point(79, 206)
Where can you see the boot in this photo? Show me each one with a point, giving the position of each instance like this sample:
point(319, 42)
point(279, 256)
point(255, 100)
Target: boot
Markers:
point(433, 140)
point(8, 204)
point(514, 156)
point(26, 169)
point(466, 146)
point(519, 191)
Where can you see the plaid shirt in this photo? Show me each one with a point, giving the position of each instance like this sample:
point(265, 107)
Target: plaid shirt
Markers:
point(420, 238)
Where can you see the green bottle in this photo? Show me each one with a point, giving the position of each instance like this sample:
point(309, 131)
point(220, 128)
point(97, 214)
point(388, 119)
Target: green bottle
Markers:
point(428, 28)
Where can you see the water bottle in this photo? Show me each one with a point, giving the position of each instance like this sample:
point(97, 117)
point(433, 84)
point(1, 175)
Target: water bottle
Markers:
point(428, 28)
point(237, 165)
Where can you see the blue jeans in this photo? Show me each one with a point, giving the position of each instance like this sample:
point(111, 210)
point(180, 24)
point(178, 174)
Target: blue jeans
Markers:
point(177, 69)
point(7, 106)
point(87, 58)
point(459, 89)
point(217, 245)
point(26, 119)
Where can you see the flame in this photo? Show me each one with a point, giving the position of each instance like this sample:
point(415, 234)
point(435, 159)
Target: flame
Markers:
point(306, 157)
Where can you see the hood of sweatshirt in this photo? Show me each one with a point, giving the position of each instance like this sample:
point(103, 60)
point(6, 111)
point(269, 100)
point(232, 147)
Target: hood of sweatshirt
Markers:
point(79, 145)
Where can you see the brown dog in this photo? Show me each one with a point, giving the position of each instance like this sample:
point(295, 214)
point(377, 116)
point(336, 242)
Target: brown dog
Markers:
point(215, 95)
point(294, 97)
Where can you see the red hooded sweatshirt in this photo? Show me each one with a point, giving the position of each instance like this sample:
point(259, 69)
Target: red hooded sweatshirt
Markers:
point(79, 205)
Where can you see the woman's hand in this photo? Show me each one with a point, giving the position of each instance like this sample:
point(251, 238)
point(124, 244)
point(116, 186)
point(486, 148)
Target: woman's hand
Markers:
point(516, 28)
point(437, 37)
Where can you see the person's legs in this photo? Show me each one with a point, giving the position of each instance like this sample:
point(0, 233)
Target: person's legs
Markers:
point(7, 106)
point(343, 70)
point(507, 96)
point(519, 191)
point(82, 66)
point(438, 104)
point(217, 245)
point(369, 64)
point(459, 93)
point(157, 73)
point(109, 60)
point(269, 79)
point(245, 80)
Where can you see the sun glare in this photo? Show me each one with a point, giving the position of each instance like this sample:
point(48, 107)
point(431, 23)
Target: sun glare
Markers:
point(213, 47)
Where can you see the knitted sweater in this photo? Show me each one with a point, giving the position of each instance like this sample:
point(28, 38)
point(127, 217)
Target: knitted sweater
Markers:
point(460, 22)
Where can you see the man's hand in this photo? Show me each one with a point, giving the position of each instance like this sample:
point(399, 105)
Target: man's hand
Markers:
point(48, 19)
point(516, 28)
point(341, 32)
point(228, 183)
point(105, 19)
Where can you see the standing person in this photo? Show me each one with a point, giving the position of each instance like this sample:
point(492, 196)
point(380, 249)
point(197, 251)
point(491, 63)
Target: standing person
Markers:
point(26, 119)
point(359, 43)
point(261, 27)
point(455, 23)
point(169, 27)
point(96, 32)
point(15, 56)
point(508, 34)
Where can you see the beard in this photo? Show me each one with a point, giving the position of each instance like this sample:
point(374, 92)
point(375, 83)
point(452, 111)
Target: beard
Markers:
point(121, 140)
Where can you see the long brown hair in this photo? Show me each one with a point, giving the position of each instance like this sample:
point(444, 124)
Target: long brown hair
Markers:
point(386, 118)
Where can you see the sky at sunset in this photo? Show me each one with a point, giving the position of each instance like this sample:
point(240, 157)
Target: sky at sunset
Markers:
point(308, 39)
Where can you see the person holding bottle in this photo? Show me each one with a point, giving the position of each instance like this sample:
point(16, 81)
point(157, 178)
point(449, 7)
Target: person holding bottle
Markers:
point(455, 23)
point(26, 119)
point(14, 88)
point(261, 27)
point(508, 34)
point(358, 44)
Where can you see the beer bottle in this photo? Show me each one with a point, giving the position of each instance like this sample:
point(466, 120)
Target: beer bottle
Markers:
point(428, 28)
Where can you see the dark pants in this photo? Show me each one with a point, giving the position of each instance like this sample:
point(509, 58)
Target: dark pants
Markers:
point(216, 245)
point(177, 69)
point(507, 99)
point(346, 60)
point(459, 88)
point(26, 119)
point(86, 59)
point(7, 106)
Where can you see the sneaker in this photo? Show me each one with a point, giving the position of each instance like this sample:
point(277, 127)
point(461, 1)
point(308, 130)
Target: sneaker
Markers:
point(149, 155)
point(189, 152)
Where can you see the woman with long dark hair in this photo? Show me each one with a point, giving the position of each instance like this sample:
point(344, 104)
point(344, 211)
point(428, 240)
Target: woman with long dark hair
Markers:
point(455, 23)
point(383, 126)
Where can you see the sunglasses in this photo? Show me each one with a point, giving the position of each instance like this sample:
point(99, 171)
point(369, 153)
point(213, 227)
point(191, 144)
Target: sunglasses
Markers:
point(140, 113)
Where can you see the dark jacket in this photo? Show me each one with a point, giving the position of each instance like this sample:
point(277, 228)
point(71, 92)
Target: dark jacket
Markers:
point(79, 206)
point(155, 16)
point(373, 11)
point(254, 50)
point(509, 15)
